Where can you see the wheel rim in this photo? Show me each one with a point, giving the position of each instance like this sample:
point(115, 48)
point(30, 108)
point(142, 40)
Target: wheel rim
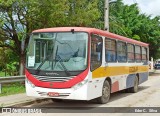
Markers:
point(106, 92)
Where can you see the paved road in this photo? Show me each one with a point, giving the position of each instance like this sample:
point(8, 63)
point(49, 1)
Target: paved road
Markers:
point(148, 96)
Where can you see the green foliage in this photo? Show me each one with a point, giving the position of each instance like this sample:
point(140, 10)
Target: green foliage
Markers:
point(18, 18)
point(136, 37)
point(9, 61)
point(128, 21)
point(11, 68)
point(2, 74)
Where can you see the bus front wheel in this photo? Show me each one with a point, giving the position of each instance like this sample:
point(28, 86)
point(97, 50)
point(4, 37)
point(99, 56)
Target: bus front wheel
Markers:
point(106, 91)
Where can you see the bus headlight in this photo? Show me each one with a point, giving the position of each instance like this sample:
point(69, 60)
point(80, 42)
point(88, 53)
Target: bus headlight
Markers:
point(30, 83)
point(77, 86)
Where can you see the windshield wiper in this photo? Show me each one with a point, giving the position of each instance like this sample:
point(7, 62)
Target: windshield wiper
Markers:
point(57, 57)
point(43, 62)
point(62, 64)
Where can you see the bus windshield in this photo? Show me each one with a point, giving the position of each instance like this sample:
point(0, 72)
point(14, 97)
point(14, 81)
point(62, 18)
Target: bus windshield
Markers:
point(62, 51)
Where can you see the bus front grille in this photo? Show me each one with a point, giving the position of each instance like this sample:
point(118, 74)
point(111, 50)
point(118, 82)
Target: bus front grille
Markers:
point(52, 79)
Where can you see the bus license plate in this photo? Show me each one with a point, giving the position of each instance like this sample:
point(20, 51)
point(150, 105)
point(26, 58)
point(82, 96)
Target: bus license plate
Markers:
point(53, 94)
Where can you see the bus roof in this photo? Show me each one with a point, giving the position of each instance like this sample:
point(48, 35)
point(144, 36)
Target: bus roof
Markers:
point(93, 30)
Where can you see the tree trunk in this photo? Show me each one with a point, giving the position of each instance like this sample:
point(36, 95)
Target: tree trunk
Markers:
point(22, 58)
point(22, 65)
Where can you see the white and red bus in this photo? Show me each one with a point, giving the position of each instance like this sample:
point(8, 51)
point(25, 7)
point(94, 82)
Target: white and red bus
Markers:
point(79, 63)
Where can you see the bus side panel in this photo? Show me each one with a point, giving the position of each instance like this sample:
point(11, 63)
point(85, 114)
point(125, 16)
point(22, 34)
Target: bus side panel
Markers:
point(118, 83)
point(143, 77)
point(131, 77)
point(130, 80)
point(95, 85)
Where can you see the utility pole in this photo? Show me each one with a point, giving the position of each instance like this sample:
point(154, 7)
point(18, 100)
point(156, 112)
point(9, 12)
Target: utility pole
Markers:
point(106, 15)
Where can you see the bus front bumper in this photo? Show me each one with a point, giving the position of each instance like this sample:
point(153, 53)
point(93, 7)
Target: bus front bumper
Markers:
point(74, 93)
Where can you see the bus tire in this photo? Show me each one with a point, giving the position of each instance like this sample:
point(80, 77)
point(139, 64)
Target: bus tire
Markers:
point(106, 91)
point(134, 89)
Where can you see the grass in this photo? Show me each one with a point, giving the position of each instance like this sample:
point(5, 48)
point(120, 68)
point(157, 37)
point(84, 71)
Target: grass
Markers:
point(14, 88)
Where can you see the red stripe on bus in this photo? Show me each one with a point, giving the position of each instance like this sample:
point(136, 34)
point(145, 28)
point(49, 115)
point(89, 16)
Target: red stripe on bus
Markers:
point(58, 85)
point(115, 87)
point(95, 31)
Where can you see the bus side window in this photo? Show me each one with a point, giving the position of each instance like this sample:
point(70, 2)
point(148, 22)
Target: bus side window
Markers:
point(96, 52)
point(144, 54)
point(121, 52)
point(110, 48)
point(130, 52)
point(138, 53)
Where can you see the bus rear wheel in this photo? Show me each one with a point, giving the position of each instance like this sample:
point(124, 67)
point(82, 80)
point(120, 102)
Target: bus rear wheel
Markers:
point(134, 89)
point(106, 91)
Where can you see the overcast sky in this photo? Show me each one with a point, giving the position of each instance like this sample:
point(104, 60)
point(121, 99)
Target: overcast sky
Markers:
point(149, 7)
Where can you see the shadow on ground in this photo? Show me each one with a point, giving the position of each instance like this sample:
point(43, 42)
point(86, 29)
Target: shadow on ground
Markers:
point(89, 104)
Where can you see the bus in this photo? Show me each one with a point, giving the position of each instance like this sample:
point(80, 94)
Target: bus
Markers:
point(80, 63)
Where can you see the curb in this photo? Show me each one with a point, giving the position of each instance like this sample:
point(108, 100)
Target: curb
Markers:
point(27, 102)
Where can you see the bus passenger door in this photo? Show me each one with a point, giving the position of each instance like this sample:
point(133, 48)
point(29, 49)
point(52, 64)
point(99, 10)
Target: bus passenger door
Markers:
point(96, 52)
point(96, 62)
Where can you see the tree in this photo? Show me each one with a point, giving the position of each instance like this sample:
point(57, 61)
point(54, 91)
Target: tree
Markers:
point(2, 58)
point(127, 21)
point(150, 33)
point(8, 62)
point(18, 18)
